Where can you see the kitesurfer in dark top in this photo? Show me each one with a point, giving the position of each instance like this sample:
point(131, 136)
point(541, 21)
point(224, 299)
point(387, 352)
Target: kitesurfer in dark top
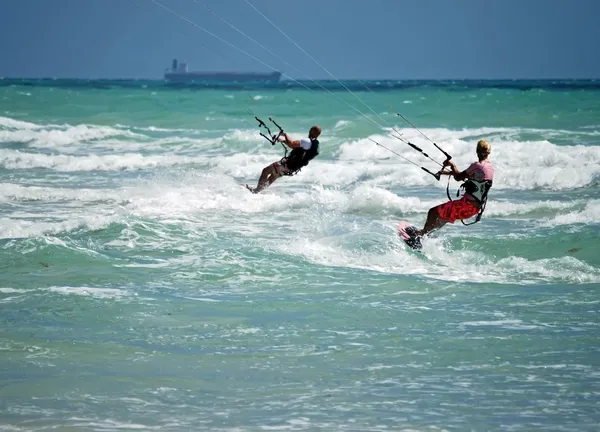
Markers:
point(303, 151)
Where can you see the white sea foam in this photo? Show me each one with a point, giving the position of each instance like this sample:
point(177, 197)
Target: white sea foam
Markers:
point(16, 227)
point(209, 193)
point(520, 165)
point(14, 159)
point(590, 214)
point(100, 293)
point(61, 138)
point(9, 123)
point(443, 264)
point(352, 179)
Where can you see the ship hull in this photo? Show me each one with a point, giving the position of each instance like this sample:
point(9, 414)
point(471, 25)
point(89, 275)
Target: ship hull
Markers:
point(220, 77)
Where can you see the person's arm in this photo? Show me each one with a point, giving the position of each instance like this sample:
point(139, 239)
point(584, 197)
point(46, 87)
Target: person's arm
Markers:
point(454, 172)
point(285, 138)
point(304, 143)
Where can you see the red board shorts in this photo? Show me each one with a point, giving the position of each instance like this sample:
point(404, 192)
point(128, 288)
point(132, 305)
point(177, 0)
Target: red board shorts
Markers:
point(459, 209)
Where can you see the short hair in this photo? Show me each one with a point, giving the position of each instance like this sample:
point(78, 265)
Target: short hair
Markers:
point(483, 146)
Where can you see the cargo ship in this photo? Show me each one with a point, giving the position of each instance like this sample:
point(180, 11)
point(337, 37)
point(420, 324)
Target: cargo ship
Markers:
point(178, 73)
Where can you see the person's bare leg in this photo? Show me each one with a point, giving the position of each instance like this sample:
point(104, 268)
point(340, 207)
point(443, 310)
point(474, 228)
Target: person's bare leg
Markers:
point(432, 223)
point(267, 177)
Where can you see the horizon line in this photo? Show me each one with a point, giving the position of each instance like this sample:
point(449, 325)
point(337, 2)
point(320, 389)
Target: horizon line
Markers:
point(156, 79)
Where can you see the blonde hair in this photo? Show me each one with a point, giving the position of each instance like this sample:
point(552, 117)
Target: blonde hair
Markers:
point(483, 146)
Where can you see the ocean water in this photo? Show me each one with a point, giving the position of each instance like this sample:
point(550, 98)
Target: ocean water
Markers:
point(141, 287)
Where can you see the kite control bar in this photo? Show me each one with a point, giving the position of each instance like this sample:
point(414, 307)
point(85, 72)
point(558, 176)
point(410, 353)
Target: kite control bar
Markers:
point(272, 138)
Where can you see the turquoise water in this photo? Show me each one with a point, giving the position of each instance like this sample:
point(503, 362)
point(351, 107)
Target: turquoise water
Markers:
point(142, 288)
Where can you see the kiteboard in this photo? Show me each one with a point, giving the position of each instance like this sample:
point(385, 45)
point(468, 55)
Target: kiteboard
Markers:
point(407, 232)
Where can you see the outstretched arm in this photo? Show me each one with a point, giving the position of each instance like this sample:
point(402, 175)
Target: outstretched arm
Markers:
point(285, 138)
point(454, 172)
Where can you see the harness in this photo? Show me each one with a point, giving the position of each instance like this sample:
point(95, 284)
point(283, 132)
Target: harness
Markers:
point(478, 189)
point(300, 157)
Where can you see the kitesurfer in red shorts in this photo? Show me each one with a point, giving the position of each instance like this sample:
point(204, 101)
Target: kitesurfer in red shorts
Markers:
point(478, 176)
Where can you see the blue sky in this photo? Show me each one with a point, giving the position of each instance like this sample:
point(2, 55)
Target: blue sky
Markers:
point(362, 39)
